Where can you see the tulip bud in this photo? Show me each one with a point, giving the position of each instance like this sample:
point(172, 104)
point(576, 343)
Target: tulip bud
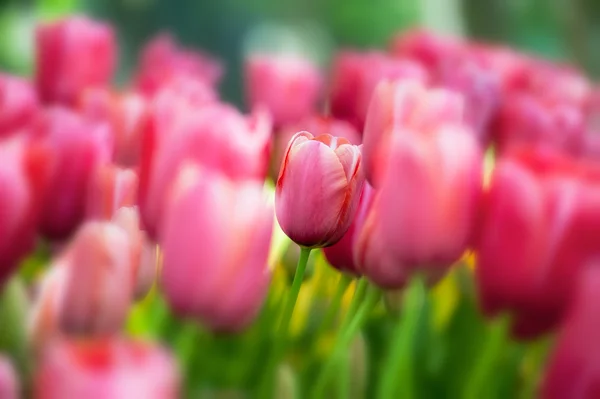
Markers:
point(289, 87)
point(398, 106)
point(318, 189)
point(162, 60)
point(216, 137)
point(73, 55)
point(216, 240)
point(111, 188)
point(18, 104)
point(76, 150)
point(539, 222)
point(9, 388)
point(341, 254)
point(573, 370)
point(440, 171)
point(107, 368)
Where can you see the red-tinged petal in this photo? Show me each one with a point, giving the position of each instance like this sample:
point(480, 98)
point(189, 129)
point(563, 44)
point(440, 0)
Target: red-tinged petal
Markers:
point(9, 386)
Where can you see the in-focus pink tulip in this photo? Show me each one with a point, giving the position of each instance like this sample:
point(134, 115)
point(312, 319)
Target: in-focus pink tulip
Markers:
point(215, 241)
point(9, 387)
point(356, 75)
point(18, 104)
point(127, 115)
point(106, 369)
point(288, 86)
point(318, 189)
point(89, 288)
point(110, 189)
point(540, 224)
point(398, 106)
point(22, 179)
point(163, 60)
point(574, 368)
point(77, 148)
point(341, 254)
point(216, 137)
point(424, 211)
point(72, 55)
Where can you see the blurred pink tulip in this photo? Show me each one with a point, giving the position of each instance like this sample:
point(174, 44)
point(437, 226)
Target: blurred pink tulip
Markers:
point(430, 186)
point(106, 369)
point(110, 189)
point(9, 387)
point(216, 137)
point(573, 370)
point(289, 87)
point(398, 106)
point(77, 148)
point(318, 189)
point(540, 225)
point(216, 241)
point(162, 60)
point(18, 104)
point(429, 49)
point(73, 55)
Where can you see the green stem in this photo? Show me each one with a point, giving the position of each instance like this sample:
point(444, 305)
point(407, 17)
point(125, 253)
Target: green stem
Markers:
point(336, 301)
point(265, 390)
point(398, 367)
point(483, 369)
point(351, 327)
point(344, 380)
point(357, 298)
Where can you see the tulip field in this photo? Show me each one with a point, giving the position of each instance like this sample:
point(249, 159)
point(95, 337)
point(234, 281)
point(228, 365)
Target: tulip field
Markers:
point(415, 221)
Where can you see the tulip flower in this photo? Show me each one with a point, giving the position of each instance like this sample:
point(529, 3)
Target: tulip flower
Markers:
point(73, 55)
point(398, 106)
point(77, 148)
point(318, 189)
point(538, 228)
point(429, 186)
point(215, 137)
point(9, 388)
point(356, 75)
point(110, 189)
point(22, 179)
point(106, 368)
point(215, 241)
point(341, 254)
point(573, 367)
point(162, 60)
point(18, 104)
point(429, 49)
point(288, 86)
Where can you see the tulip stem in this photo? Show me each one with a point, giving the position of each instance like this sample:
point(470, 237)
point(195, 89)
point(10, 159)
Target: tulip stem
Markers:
point(398, 367)
point(336, 301)
point(265, 390)
point(353, 323)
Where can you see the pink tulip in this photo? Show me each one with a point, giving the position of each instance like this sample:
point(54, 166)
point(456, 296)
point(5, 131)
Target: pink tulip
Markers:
point(289, 87)
point(215, 240)
point(400, 106)
point(216, 137)
point(73, 55)
point(77, 148)
point(539, 227)
point(356, 75)
point(22, 179)
point(9, 387)
point(341, 254)
point(574, 368)
point(106, 369)
point(162, 60)
point(429, 49)
point(110, 189)
point(18, 104)
point(318, 189)
point(127, 115)
point(430, 186)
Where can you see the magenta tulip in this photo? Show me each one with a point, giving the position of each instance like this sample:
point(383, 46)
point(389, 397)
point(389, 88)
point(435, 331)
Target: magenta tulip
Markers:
point(318, 189)
point(113, 368)
point(18, 104)
point(215, 240)
point(73, 55)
